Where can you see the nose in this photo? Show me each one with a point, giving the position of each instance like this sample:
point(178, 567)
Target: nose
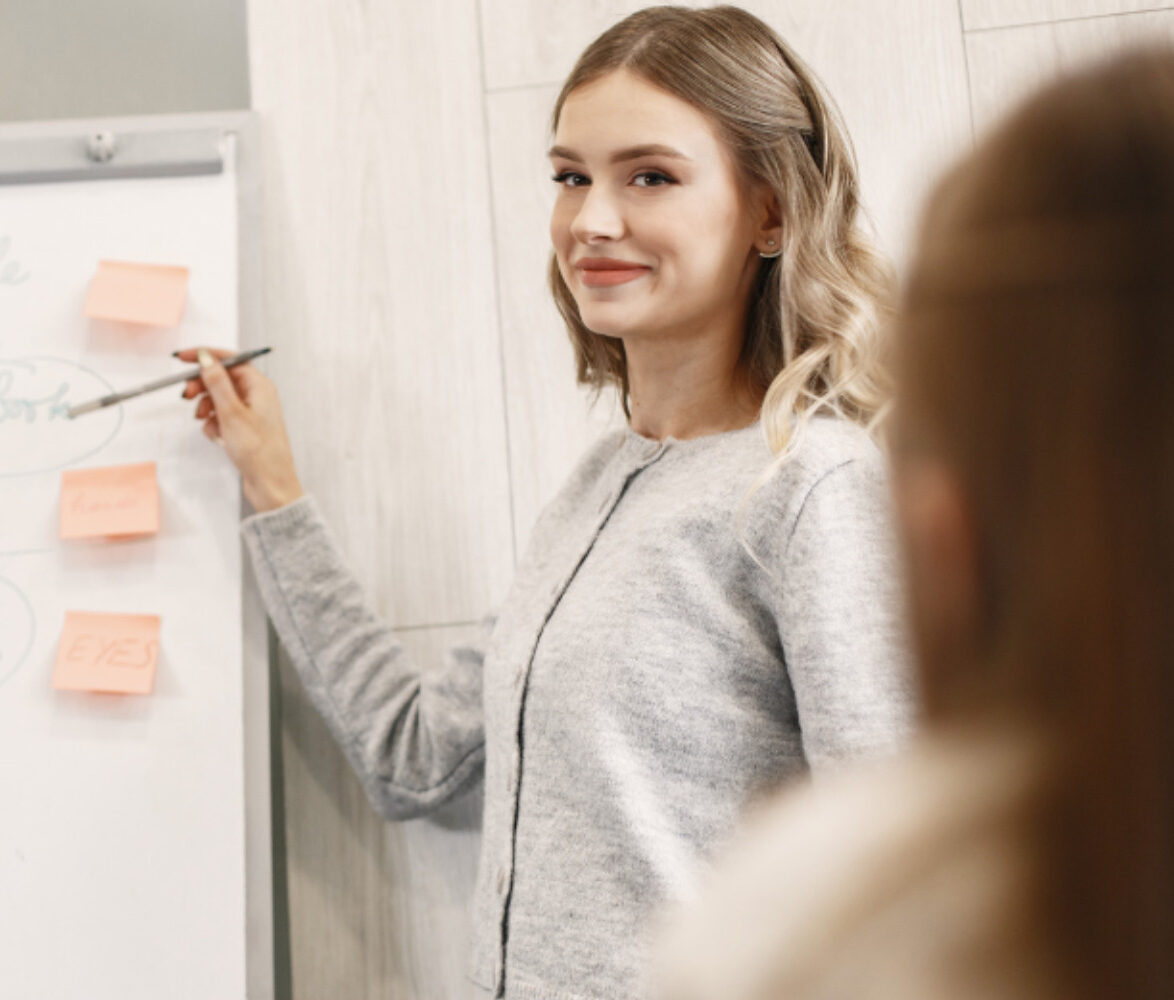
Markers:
point(599, 217)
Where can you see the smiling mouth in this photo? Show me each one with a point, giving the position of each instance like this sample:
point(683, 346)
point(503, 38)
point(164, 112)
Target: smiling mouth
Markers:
point(604, 273)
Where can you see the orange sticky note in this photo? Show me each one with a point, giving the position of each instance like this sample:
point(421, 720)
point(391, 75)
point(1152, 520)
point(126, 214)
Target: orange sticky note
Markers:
point(153, 294)
point(104, 652)
point(117, 501)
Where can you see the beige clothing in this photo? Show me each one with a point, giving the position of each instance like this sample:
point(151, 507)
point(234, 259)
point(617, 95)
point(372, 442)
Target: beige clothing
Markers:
point(897, 881)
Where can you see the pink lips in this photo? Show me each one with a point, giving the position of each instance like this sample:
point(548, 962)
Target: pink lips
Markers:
point(603, 272)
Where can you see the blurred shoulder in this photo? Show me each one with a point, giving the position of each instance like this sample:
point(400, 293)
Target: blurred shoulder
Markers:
point(886, 881)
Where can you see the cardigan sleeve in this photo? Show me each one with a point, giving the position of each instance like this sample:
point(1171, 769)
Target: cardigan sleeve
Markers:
point(415, 738)
point(840, 616)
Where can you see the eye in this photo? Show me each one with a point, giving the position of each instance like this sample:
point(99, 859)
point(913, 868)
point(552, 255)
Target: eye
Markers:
point(652, 178)
point(568, 178)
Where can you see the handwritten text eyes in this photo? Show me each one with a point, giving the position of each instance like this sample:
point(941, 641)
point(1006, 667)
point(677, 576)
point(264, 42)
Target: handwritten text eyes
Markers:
point(95, 650)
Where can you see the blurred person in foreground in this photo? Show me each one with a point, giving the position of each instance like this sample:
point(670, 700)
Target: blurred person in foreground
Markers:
point(1023, 848)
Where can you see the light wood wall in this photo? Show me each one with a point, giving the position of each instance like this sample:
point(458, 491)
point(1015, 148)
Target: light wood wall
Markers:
point(427, 379)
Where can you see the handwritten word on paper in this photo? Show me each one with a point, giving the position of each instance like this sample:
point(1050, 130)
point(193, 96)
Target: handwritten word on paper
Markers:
point(30, 409)
point(118, 501)
point(151, 294)
point(107, 652)
point(11, 270)
point(35, 434)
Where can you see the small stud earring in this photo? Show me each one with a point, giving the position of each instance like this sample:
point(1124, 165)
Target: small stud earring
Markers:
point(773, 254)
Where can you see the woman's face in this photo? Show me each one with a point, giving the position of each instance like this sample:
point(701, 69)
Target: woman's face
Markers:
point(653, 233)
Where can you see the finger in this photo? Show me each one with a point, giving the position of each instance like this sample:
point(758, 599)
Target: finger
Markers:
point(192, 353)
point(205, 408)
point(212, 429)
point(220, 387)
point(192, 388)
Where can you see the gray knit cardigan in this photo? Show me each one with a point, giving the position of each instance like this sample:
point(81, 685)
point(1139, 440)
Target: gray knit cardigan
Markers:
point(669, 651)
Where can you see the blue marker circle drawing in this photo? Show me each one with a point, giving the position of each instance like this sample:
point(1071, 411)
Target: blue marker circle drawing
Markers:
point(16, 615)
point(36, 435)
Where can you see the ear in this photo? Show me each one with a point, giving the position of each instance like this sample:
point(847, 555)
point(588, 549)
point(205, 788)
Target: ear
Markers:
point(768, 221)
point(940, 539)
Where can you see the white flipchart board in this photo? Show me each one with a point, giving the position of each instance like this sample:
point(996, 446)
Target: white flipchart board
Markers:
point(125, 862)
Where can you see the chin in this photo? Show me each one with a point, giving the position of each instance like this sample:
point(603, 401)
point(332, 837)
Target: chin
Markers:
point(603, 329)
point(608, 322)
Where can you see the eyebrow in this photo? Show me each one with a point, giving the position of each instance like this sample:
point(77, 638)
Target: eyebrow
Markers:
point(631, 153)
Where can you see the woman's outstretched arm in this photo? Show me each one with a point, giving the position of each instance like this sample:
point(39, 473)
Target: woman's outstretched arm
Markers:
point(414, 737)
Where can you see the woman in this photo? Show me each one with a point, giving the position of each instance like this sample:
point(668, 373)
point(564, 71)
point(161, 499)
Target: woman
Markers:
point(1024, 848)
point(675, 640)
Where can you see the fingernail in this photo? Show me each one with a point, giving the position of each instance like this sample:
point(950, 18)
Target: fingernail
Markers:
point(204, 357)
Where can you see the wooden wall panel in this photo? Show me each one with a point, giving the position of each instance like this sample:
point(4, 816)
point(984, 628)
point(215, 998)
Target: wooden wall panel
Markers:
point(380, 292)
point(378, 911)
point(1006, 65)
point(529, 42)
point(381, 304)
point(980, 14)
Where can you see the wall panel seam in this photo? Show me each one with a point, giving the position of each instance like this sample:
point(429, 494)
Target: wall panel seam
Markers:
point(1012, 26)
point(966, 68)
point(497, 289)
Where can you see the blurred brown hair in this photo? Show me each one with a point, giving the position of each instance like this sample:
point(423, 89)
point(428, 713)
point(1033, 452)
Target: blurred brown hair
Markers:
point(1037, 363)
point(815, 315)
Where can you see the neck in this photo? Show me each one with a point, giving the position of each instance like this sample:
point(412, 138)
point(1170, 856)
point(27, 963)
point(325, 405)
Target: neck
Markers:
point(688, 389)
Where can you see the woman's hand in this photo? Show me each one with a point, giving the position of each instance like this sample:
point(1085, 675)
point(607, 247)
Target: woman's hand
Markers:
point(241, 411)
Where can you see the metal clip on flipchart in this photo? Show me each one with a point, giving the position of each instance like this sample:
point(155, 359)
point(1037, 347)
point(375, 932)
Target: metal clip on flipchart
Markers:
point(106, 154)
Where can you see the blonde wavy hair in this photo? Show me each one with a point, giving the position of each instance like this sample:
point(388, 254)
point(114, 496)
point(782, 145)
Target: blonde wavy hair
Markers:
point(813, 328)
